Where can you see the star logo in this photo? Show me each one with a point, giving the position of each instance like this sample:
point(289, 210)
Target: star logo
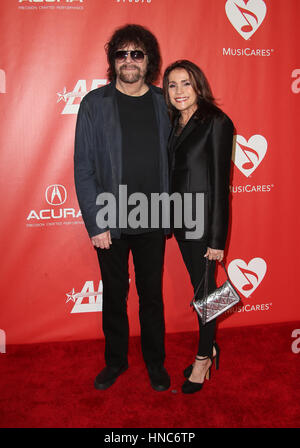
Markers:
point(63, 96)
point(75, 295)
point(71, 296)
point(89, 299)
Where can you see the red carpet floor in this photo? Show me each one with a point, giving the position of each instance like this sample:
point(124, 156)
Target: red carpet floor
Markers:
point(258, 385)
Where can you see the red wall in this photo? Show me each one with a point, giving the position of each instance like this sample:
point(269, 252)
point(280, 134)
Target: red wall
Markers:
point(51, 55)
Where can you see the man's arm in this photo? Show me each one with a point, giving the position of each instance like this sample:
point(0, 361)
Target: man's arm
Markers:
point(86, 183)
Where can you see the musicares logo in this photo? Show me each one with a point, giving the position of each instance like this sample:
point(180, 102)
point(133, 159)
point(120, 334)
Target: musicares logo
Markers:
point(246, 16)
point(247, 277)
point(247, 155)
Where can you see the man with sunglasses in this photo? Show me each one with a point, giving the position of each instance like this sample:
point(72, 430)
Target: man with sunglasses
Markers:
point(121, 139)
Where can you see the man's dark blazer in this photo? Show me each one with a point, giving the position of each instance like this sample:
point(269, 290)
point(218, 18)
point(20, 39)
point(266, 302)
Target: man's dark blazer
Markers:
point(200, 163)
point(98, 151)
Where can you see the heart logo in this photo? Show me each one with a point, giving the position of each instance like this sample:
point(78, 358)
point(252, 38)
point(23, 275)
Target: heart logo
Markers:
point(246, 15)
point(247, 155)
point(246, 278)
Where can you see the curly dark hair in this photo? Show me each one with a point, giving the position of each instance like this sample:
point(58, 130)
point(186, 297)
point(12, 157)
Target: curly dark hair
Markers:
point(141, 37)
point(207, 105)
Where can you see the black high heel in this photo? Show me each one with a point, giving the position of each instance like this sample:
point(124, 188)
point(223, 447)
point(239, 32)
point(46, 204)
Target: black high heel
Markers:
point(189, 387)
point(188, 370)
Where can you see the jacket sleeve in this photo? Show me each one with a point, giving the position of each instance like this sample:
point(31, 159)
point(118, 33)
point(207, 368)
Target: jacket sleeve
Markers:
point(86, 184)
point(222, 140)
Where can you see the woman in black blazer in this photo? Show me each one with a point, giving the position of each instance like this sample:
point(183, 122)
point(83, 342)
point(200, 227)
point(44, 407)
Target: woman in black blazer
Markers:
point(200, 148)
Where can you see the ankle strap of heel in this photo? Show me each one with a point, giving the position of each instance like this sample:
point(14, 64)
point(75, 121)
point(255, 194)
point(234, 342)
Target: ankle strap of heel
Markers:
point(203, 359)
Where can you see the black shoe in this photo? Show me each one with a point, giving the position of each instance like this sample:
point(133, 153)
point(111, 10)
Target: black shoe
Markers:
point(188, 370)
point(159, 378)
point(108, 376)
point(189, 387)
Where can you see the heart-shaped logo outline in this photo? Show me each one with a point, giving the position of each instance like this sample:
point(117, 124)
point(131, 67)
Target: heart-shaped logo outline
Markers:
point(248, 155)
point(242, 275)
point(246, 16)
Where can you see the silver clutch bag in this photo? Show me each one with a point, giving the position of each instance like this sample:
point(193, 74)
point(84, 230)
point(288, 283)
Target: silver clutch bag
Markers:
point(217, 302)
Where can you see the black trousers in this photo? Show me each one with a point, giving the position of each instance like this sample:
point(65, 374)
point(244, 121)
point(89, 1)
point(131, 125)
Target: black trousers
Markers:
point(148, 256)
point(193, 255)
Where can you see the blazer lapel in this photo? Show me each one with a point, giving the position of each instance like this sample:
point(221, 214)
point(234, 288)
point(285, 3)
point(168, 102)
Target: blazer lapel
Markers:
point(163, 121)
point(172, 137)
point(112, 132)
point(189, 127)
point(164, 128)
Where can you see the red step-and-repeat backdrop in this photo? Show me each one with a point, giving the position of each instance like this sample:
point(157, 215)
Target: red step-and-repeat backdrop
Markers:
point(52, 54)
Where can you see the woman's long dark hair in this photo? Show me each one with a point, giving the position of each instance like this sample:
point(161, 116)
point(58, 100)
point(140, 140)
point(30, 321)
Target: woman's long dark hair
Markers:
point(141, 37)
point(206, 102)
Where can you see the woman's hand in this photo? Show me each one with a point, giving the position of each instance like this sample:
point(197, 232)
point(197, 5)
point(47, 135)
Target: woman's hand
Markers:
point(214, 254)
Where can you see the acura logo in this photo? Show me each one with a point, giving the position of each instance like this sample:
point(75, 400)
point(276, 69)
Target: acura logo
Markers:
point(56, 194)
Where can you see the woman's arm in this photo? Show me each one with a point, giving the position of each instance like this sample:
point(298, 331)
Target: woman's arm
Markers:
point(221, 150)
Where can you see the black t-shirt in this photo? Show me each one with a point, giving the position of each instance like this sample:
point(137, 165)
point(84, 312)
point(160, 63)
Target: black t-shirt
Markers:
point(140, 149)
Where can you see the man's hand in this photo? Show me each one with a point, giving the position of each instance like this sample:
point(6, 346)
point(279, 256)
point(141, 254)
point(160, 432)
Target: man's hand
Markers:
point(214, 254)
point(103, 240)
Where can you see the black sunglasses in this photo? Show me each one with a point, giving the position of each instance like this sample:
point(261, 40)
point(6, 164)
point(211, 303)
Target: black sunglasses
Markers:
point(136, 55)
